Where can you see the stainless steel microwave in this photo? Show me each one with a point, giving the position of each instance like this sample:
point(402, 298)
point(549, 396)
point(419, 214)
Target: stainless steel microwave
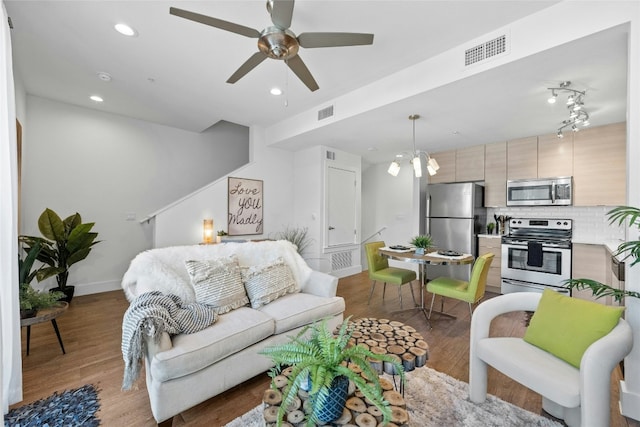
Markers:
point(540, 192)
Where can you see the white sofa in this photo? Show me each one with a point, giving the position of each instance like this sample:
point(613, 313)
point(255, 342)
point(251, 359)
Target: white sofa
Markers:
point(186, 369)
point(580, 397)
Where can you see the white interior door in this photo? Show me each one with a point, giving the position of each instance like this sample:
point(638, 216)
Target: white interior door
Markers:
point(341, 206)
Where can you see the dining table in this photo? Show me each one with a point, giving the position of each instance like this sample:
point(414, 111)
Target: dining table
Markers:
point(432, 256)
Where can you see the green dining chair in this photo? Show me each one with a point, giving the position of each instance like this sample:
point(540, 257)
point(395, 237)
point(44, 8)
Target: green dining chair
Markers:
point(471, 291)
point(379, 270)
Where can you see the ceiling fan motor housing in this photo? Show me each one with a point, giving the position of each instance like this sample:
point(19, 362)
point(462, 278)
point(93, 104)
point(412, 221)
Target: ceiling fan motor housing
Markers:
point(277, 43)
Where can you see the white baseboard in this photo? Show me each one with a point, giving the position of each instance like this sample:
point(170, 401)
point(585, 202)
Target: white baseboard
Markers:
point(97, 287)
point(629, 402)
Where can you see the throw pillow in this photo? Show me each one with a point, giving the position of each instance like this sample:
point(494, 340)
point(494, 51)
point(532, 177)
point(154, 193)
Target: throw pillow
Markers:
point(566, 327)
point(218, 283)
point(265, 283)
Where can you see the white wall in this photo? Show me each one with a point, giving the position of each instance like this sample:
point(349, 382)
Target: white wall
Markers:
point(181, 222)
point(105, 167)
point(388, 201)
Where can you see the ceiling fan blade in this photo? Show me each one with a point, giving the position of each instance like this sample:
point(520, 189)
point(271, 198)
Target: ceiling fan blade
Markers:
point(214, 22)
point(249, 65)
point(310, 40)
point(281, 13)
point(300, 69)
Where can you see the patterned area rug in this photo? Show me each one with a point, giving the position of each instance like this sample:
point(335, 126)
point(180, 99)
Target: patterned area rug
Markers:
point(71, 408)
point(436, 399)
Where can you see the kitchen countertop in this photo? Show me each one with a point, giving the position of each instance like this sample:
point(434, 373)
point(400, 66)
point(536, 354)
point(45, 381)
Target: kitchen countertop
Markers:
point(490, 236)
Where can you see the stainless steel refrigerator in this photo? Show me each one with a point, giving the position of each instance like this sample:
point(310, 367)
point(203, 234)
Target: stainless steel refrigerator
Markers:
point(455, 217)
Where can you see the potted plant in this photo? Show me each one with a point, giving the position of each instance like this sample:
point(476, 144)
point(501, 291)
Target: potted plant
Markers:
point(490, 228)
point(220, 235)
point(619, 215)
point(31, 300)
point(65, 243)
point(421, 243)
point(322, 360)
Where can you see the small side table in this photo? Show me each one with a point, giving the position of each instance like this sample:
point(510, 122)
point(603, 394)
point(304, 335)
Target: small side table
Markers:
point(42, 316)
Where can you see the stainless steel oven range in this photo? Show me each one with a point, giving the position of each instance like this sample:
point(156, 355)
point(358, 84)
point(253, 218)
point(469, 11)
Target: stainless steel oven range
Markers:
point(536, 254)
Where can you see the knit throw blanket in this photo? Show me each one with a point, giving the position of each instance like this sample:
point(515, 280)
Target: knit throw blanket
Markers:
point(151, 314)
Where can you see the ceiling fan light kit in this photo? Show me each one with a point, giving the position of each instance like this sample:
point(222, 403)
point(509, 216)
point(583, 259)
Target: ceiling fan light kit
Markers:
point(575, 106)
point(432, 164)
point(278, 41)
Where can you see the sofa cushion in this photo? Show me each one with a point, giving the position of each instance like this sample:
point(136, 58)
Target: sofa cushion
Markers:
point(566, 327)
point(218, 283)
point(267, 282)
point(295, 310)
point(232, 332)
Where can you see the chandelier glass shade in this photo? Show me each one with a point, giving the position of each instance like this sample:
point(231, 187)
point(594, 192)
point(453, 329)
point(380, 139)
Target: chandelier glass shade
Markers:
point(414, 157)
point(578, 115)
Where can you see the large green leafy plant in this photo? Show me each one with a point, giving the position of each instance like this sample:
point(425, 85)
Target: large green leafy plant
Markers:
point(31, 299)
point(631, 249)
point(322, 357)
point(64, 243)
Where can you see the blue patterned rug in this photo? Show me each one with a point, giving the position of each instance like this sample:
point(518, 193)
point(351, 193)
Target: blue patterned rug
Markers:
point(70, 408)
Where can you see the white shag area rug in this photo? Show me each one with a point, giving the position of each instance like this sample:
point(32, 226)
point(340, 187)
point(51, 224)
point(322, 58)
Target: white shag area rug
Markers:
point(436, 399)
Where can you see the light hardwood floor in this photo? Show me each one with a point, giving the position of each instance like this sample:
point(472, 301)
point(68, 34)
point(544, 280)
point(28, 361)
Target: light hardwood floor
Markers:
point(91, 330)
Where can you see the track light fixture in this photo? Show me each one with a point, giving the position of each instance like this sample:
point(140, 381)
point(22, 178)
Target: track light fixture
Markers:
point(575, 105)
point(414, 157)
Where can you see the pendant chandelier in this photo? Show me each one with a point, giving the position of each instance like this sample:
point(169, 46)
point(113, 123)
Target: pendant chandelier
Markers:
point(414, 157)
point(575, 104)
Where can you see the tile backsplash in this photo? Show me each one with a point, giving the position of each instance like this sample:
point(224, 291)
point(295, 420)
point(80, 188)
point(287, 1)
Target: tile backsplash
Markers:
point(590, 224)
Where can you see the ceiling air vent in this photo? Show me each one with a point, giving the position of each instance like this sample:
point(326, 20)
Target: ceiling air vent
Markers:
point(325, 113)
point(485, 50)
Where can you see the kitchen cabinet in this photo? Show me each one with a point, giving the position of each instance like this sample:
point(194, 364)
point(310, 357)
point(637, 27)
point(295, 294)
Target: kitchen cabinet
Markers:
point(470, 164)
point(590, 262)
point(495, 174)
point(492, 245)
point(555, 155)
point(522, 158)
point(447, 162)
point(599, 166)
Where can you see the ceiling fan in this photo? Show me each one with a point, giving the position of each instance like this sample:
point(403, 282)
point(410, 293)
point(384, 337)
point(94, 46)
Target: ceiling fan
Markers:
point(278, 41)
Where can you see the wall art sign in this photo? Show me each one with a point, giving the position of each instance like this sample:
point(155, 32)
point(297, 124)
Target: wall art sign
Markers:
point(245, 198)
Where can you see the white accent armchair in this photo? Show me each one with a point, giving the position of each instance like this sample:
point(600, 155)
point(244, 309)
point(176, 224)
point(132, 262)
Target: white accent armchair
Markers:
point(580, 397)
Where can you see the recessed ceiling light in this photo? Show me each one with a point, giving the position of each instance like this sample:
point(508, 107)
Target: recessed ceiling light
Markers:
point(96, 98)
point(126, 30)
point(105, 77)
point(276, 91)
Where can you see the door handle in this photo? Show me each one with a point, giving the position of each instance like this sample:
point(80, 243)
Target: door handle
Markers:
point(331, 228)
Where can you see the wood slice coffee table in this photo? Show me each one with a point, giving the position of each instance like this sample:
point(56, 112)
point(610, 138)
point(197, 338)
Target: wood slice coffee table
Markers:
point(384, 336)
point(358, 411)
point(380, 336)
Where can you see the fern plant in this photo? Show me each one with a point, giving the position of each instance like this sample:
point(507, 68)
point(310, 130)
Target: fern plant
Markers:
point(320, 359)
point(617, 215)
point(423, 241)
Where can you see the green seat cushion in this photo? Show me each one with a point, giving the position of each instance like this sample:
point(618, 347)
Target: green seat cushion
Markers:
point(396, 276)
point(450, 288)
point(566, 327)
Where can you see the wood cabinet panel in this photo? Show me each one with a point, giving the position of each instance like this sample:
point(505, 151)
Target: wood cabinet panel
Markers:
point(470, 164)
point(447, 162)
point(495, 174)
point(555, 155)
point(590, 262)
point(492, 245)
point(599, 165)
point(522, 158)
